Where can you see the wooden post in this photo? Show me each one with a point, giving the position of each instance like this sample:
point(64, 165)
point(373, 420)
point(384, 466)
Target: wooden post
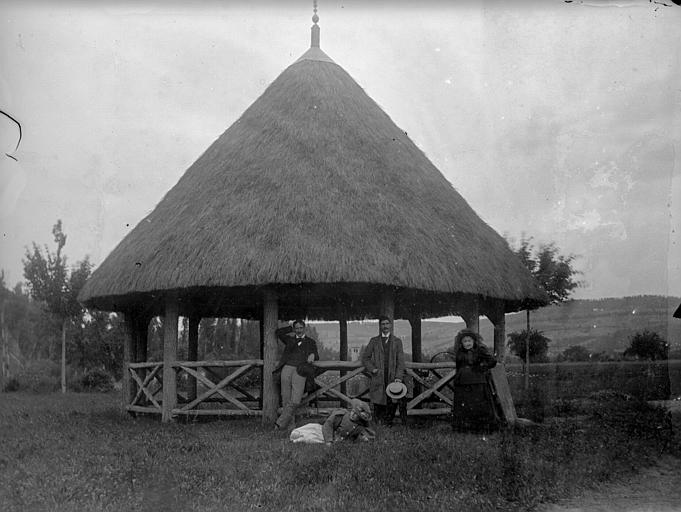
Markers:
point(343, 325)
point(470, 312)
point(270, 400)
point(128, 357)
point(170, 320)
point(140, 333)
point(527, 353)
point(387, 305)
point(4, 339)
point(497, 315)
point(416, 348)
point(193, 351)
point(63, 355)
point(141, 326)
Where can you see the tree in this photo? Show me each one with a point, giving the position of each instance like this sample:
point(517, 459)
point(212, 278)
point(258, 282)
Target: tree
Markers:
point(575, 353)
point(56, 286)
point(647, 345)
point(553, 272)
point(538, 347)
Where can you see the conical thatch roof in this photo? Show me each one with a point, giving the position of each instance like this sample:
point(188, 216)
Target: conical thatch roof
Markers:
point(313, 185)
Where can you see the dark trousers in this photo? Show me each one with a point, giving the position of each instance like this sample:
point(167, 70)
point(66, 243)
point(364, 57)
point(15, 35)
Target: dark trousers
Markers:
point(386, 413)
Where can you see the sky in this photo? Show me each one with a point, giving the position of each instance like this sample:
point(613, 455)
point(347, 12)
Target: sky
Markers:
point(555, 120)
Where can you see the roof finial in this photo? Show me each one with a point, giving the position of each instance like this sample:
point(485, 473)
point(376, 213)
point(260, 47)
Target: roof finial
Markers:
point(315, 27)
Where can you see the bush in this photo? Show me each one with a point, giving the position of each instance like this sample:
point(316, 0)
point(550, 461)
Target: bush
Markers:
point(12, 385)
point(40, 376)
point(647, 345)
point(97, 380)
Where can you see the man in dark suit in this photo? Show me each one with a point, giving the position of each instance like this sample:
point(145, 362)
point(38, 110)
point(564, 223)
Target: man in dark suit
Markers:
point(384, 360)
point(298, 349)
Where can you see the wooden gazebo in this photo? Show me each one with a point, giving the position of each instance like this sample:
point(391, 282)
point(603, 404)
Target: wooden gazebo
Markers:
point(312, 204)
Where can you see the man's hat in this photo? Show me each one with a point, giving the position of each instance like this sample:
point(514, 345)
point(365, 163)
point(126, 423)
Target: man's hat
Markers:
point(396, 390)
point(361, 409)
point(306, 370)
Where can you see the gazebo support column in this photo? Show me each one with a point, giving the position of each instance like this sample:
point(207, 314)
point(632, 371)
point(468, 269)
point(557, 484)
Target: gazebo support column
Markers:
point(343, 325)
point(270, 400)
point(497, 316)
point(193, 350)
point(170, 319)
point(261, 328)
point(140, 326)
point(129, 356)
point(387, 304)
point(416, 348)
point(470, 312)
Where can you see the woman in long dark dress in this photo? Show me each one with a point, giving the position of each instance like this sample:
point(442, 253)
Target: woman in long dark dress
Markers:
point(473, 406)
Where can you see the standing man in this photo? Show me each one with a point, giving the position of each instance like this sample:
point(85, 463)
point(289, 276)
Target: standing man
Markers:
point(384, 360)
point(298, 350)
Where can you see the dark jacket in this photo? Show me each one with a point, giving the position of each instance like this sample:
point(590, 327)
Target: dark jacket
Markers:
point(472, 365)
point(295, 352)
point(338, 426)
point(374, 357)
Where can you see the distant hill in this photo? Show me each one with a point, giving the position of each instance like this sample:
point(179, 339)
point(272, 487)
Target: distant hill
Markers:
point(601, 325)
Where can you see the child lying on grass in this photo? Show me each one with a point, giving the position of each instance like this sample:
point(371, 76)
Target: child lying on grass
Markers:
point(342, 424)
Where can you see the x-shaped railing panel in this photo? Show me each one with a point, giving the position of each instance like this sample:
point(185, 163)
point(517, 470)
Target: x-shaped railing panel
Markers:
point(215, 388)
point(142, 385)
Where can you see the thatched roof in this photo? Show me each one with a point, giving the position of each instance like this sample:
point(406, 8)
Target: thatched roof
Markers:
point(316, 190)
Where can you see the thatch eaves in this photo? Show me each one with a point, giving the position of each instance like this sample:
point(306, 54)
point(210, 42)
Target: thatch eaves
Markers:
point(313, 185)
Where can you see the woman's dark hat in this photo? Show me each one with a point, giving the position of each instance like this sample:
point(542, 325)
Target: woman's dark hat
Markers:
point(306, 370)
point(467, 332)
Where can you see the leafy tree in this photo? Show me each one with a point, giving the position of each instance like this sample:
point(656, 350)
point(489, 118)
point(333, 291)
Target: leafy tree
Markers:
point(538, 347)
point(553, 272)
point(576, 353)
point(56, 286)
point(647, 345)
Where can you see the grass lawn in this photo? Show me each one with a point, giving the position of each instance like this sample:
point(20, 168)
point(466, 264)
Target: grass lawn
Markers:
point(79, 452)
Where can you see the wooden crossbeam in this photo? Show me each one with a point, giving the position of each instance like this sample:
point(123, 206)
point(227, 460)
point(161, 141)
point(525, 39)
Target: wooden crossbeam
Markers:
point(424, 383)
point(215, 388)
point(364, 392)
point(224, 364)
point(142, 409)
point(449, 384)
point(431, 390)
point(143, 386)
point(218, 412)
point(328, 388)
point(233, 385)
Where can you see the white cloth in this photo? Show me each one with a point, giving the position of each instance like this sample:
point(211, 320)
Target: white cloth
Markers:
point(310, 433)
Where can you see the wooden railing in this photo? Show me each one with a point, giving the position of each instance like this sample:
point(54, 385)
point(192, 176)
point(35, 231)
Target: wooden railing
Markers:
point(235, 400)
point(432, 390)
point(148, 381)
point(216, 388)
